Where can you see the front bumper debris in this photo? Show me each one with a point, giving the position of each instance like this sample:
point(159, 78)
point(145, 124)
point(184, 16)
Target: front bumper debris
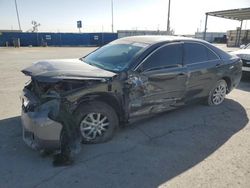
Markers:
point(39, 131)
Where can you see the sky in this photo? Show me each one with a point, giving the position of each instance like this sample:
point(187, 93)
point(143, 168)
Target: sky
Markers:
point(186, 16)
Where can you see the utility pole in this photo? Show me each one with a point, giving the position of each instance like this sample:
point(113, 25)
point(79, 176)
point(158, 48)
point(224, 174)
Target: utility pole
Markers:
point(112, 13)
point(168, 23)
point(18, 16)
point(205, 29)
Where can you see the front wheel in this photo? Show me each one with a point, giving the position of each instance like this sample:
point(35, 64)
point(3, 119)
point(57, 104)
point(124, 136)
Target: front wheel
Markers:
point(97, 122)
point(217, 94)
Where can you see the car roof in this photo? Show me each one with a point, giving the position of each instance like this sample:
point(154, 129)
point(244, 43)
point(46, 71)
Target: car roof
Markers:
point(153, 39)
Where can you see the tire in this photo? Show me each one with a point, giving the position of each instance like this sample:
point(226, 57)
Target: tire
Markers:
point(217, 94)
point(93, 131)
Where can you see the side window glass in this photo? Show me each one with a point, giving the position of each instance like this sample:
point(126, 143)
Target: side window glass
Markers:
point(194, 53)
point(170, 55)
point(211, 55)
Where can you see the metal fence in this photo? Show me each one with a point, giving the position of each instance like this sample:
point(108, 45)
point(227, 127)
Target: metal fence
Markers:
point(56, 39)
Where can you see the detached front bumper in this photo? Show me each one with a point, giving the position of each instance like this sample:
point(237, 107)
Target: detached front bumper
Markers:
point(39, 131)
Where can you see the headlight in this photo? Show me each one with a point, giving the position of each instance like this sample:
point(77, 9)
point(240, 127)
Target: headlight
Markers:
point(246, 56)
point(27, 83)
point(25, 102)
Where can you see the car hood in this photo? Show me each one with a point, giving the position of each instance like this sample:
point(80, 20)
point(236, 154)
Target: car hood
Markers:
point(242, 51)
point(54, 70)
point(243, 54)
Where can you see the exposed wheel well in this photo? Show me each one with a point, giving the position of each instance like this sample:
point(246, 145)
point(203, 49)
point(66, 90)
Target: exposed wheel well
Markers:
point(108, 99)
point(228, 81)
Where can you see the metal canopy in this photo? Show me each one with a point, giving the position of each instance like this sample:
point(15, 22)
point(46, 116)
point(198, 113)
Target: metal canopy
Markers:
point(233, 14)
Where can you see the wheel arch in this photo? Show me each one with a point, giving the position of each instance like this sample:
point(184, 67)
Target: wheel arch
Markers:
point(229, 83)
point(112, 100)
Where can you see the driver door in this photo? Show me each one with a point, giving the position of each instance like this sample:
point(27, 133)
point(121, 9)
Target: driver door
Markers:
point(159, 82)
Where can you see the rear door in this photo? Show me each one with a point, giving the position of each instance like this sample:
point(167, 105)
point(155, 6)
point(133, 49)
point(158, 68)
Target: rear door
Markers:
point(202, 67)
point(159, 82)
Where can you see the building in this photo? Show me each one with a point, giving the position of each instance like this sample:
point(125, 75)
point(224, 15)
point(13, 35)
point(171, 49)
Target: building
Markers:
point(238, 36)
point(217, 37)
point(10, 31)
point(127, 33)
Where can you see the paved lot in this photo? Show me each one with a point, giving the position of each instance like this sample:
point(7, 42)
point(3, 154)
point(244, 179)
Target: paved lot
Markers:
point(195, 146)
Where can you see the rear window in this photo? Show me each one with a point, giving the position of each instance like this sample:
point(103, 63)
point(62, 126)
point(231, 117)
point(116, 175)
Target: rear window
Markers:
point(222, 54)
point(196, 53)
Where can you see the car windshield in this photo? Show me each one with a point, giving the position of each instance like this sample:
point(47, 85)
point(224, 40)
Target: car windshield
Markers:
point(115, 57)
point(247, 46)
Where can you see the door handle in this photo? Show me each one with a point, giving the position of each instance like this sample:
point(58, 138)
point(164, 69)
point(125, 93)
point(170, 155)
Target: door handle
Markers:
point(181, 74)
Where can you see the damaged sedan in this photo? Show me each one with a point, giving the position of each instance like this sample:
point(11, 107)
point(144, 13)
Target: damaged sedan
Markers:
point(126, 78)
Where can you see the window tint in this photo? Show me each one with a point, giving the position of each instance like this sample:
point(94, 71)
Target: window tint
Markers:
point(164, 57)
point(211, 55)
point(195, 53)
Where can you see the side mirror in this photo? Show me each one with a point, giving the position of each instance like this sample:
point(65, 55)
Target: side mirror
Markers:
point(242, 46)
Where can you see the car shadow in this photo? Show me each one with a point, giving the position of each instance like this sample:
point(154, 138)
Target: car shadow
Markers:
point(146, 153)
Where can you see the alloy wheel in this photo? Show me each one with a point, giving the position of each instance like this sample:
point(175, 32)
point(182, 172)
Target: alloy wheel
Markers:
point(94, 125)
point(219, 93)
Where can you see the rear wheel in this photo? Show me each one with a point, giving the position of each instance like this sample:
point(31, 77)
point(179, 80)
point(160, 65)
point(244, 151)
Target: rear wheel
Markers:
point(97, 122)
point(218, 93)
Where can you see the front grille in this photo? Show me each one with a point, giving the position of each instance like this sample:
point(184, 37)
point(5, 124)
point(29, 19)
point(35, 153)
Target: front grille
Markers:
point(245, 63)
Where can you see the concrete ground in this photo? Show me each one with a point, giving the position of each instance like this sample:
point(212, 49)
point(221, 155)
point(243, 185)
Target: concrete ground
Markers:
point(195, 146)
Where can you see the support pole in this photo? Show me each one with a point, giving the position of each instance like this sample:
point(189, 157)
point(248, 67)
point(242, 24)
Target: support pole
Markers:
point(205, 29)
point(238, 40)
point(168, 22)
point(112, 13)
point(18, 19)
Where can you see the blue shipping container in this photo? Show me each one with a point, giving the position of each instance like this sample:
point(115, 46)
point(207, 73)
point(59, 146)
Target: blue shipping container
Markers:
point(57, 39)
